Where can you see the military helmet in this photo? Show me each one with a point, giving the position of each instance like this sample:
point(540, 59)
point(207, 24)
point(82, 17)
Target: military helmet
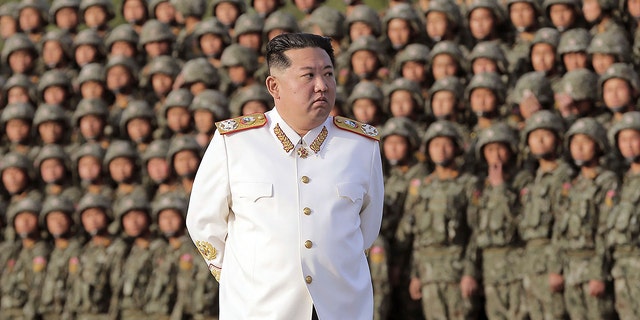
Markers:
point(491, 5)
point(126, 62)
point(56, 203)
point(248, 23)
point(580, 84)
point(19, 80)
point(608, 5)
point(155, 31)
point(200, 70)
point(574, 40)
point(329, 20)
point(499, 132)
point(57, 5)
point(51, 151)
point(96, 107)
point(450, 84)
point(171, 202)
point(489, 50)
point(163, 65)
point(534, 3)
point(9, 9)
point(405, 12)
point(130, 202)
point(591, 128)
point(151, 7)
point(123, 32)
point(621, 71)
point(177, 98)
point(281, 20)
point(136, 109)
point(212, 26)
point(190, 8)
point(534, 83)
point(182, 143)
point(406, 85)
point(404, 127)
point(546, 5)
point(158, 148)
point(144, 5)
point(17, 110)
point(550, 36)
point(106, 4)
point(15, 160)
point(213, 101)
point(611, 43)
point(367, 15)
point(50, 112)
point(51, 78)
point(443, 128)
point(629, 120)
point(41, 5)
point(543, 119)
point(91, 72)
point(449, 8)
point(237, 55)
point(450, 48)
point(117, 149)
point(89, 37)
point(366, 43)
point(487, 80)
point(366, 90)
point(28, 204)
point(90, 149)
point(253, 92)
point(412, 52)
point(63, 37)
point(92, 200)
point(18, 41)
point(239, 4)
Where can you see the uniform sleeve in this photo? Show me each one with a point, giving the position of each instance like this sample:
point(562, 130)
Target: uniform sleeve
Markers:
point(209, 204)
point(371, 212)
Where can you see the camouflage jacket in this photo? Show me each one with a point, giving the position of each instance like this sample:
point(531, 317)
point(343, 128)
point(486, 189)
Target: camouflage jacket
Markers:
point(56, 282)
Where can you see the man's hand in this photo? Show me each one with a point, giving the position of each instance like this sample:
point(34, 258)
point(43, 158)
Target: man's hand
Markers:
point(468, 286)
point(415, 289)
point(596, 288)
point(556, 282)
point(563, 103)
point(529, 104)
point(496, 175)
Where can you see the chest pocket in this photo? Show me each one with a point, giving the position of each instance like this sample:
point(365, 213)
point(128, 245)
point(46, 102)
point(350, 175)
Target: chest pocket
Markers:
point(540, 207)
point(623, 221)
point(351, 191)
point(253, 191)
point(582, 213)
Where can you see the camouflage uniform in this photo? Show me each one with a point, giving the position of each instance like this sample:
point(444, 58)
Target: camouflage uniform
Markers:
point(63, 187)
point(25, 112)
point(542, 201)
point(622, 231)
point(98, 186)
point(56, 287)
point(122, 148)
point(437, 217)
point(17, 160)
point(138, 109)
point(20, 41)
point(625, 72)
point(579, 231)
point(94, 107)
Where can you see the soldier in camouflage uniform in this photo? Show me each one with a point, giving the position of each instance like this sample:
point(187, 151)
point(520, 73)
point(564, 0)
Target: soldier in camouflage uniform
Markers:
point(443, 22)
point(19, 89)
point(20, 46)
point(96, 14)
point(620, 88)
point(402, 98)
point(412, 64)
point(363, 61)
point(497, 212)
point(121, 80)
point(8, 20)
point(622, 231)
point(365, 103)
point(90, 121)
point(327, 22)
point(57, 215)
point(362, 21)
point(228, 11)
point(253, 99)
point(88, 47)
point(447, 60)
point(446, 102)
point(602, 16)
point(606, 49)
point(183, 159)
point(238, 64)
point(122, 40)
point(563, 14)
point(211, 37)
point(34, 28)
point(207, 108)
point(156, 179)
point(400, 143)
point(526, 18)
point(188, 13)
point(95, 272)
point(16, 122)
point(156, 39)
point(404, 20)
point(197, 75)
point(541, 202)
point(248, 33)
point(52, 169)
point(531, 94)
point(580, 228)
point(88, 172)
point(137, 124)
point(121, 164)
point(444, 267)
point(91, 83)
point(54, 87)
point(56, 52)
point(543, 54)
point(577, 96)
point(572, 49)
point(488, 56)
point(51, 124)
point(176, 115)
point(158, 77)
point(26, 264)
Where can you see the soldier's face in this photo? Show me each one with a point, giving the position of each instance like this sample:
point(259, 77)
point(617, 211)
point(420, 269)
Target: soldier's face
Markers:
point(93, 220)
point(496, 153)
point(633, 7)
point(483, 99)
point(304, 93)
point(365, 110)
point(522, 15)
point(52, 53)
point(91, 126)
point(178, 119)
point(165, 12)
point(17, 94)
point(562, 16)
point(58, 223)
point(95, 16)
point(14, 180)
point(543, 57)
point(629, 143)
point(443, 65)
point(574, 60)
point(161, 84)
point(118, 77)
point(395, 148)
point(264, 7)
point(237, 74)
point(582, 148)
point(29, 19)
point(89, 168)
point(135, 223)
point(123, 48)
point(364, 63)
point(591, 10)
point(481, 23)
point(52, 170)
point(359, 29)
point(139, 129)
point(414, 71)
point(437, 24)
point(85, 54)
point(92, 90)
point(399, 32)
point(157, 48)
point(8, 26)
point(443, 104)
point(227, 13)
point(203, 120)
point(21, 61)
point(401, 104)
point(252, 40)
point(121, 169)
point(441, 149)
point(50, 131)
point(26, 223)
point(211, 44)
point(616, 93)
point(67, 18)
point(305, 5)
point(542, 141)
point(170, 221)
point(134, 11)
point(54, 95)
point(254, 106)
point(17, 130)
point(158, 169)
point(483, 65)
point(185, 162)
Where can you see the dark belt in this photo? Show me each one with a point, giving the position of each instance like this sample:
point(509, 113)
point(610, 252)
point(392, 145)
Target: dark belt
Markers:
point(314, 315)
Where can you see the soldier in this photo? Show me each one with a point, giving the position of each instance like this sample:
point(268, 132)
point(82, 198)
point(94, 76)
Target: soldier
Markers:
point(401, 27)
point(444, 271)
point(601, 15)
point(580, 226)
point(248, 32)
point(26, 264)
point(134, 219)
point(412, 64)
point(488, 56)
point(207, 108)
point(266, 7)
point(32, 18)
point(443, 21)
point(239, 64)
point(90, 121)
point(158, 78)
point(197, 75)
point(228, 11)
point(52, 168)
point(96, 15)
point(122, 40)
point(379, 268)
point(156, 39)
point(176, 114)
point(526, 18)
point(51, 125)
point(496, 215)
point(543, 54)
point(156, 178)
point(64, 14)
point(363, 61)
point(250, 100)
point(57, 215)
point(622, 230)
point(8, 20)
point(447, 61)
point(400, 143)
point(54, 87)
point(135, 13)
point(16, 121)
point(188, 13)
point(328, 22)
point(95, 272)
point(55, 49)
point(165, 12)
point(20, 54)
point(121, 80)
point(403, 99)
point(88, 172)
point(183, 159)
point(573, 49)
point(606, 49)
point(91, 83)
point(485, 19)
point(620, 87)
point(211, 37)
point(362, 21)
point(563, 14)
point(121, 165)
point(445, 101)
point(138, 123)
point(365, 104)
point(531, 94)
point(542, 201)
point(278, 23)
point(578, 95)
point(87, 48)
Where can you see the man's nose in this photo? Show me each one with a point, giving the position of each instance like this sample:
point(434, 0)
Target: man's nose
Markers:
point(321, 84)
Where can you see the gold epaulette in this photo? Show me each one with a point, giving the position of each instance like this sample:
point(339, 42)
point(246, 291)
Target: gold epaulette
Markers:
point(250, 121)
point(362, 129)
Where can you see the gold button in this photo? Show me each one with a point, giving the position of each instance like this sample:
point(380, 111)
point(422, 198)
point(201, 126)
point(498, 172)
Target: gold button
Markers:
point(308, 244)
point(305, 179)
point(308, 279)
point(306, 211)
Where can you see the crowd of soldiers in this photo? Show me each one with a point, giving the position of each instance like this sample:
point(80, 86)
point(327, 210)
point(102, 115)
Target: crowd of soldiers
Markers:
point(510, 143)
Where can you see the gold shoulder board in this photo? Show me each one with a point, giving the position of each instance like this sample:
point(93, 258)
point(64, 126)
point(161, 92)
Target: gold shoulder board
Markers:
point(241, 123)
point(362, 129)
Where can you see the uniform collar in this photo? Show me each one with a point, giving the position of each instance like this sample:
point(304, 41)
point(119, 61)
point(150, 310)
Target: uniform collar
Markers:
point(313, 141)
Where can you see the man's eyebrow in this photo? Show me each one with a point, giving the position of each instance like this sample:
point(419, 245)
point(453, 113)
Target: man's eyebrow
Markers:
point(311, 68)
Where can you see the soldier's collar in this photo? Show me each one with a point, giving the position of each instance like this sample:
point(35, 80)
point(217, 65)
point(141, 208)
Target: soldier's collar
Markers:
point(312, 142)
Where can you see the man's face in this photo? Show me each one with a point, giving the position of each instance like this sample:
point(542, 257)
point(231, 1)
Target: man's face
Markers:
point(496, 153)
point(364, 62)
point(359, 29)
point(85, 54)
point(481, 23)
point(562, 16)
point(26, 223)
point(483, 99)
point(582, 148)
point(543, 57)
point(591, 10)
point(118, 77)
point(165, 12)
point(29, 19)
point(437, 24)
point(14, 179)
point(21, 61)
point(123, 48)
point(89, 168)
point(483, 65)
point(264, 7)
point(629, 143)
point(441, 149)
point(91, 126)
point(170, 221)
point(399, 32)
point(93, 220)
point(414, 71)
point(443, 104)
point(574, 60)
point(121, 169)
point(67, 18)
point(52, 170)
point(135, 223)
point(365, 110)
point(401, 103)
point(52, 53)
point(95, 16)
point(54, 95)
point(211, 44)
point(92, 90)
point(58, 223)
point(17, 130)
point(395, 148)
point(305, 92)
point(542, 141)
point(227, 13)
point(185, 163)
point(443, 65)
point(158, 169)
point(601, 62)
point(616, 93)
point(134, 11)
point(522, 15)
point(50, 131)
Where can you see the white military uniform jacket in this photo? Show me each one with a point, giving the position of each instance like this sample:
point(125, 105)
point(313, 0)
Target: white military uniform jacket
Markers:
point(283, 222)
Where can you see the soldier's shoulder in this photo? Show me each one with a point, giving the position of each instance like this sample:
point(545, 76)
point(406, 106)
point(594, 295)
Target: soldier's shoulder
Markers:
point(241, 123)
point(363, 129)
point(606, 177)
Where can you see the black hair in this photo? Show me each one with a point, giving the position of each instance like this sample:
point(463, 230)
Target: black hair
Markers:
point(288, 41)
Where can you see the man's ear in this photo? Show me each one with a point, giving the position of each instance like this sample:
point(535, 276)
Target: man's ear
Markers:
point(273, 87)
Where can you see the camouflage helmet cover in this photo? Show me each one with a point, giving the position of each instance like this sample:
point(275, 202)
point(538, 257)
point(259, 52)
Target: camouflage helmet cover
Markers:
point(543, 119)
point(402, 84)
point(574, 40)
point(499, 132)
point(96, 107)
point(366, 14)
point(533, 83)
point(591, 128)
point(630, 120)
point(253, 92)
point(172, 202)
point(580, 84)
point(50, 112)
point(402, 127)
point(213, 101)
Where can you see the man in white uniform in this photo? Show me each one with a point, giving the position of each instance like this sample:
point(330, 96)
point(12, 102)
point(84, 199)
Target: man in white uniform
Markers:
point(286, 203)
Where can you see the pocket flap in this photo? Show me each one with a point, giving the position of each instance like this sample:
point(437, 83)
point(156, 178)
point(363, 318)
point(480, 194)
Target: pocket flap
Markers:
point(254, 190)
point(351, 191)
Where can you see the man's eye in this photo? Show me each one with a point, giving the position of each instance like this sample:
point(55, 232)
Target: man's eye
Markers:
point(329, 74)
point(308, 75)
